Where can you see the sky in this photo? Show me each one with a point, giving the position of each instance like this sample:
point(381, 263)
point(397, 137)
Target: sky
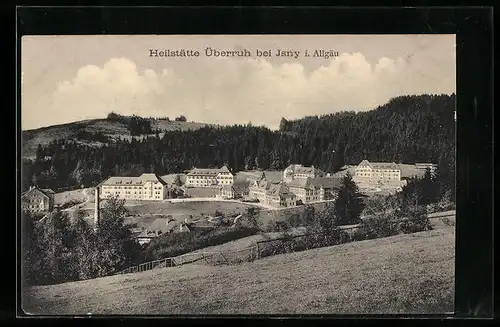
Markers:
point(71, 78)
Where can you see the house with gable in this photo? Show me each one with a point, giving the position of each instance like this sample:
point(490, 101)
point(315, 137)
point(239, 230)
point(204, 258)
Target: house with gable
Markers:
point(37, 200)
point(275, 194)
point(239, 189)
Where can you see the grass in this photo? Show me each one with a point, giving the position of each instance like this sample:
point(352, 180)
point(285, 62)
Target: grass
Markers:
point(279, 215)
point(201, 192)
point(400, 274)
point(68, 196)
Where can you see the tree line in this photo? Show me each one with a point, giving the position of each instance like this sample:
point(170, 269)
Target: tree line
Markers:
point(407, 129)
point(59, 249)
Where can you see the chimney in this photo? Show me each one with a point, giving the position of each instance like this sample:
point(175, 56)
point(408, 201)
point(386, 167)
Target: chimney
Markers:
point(96, 207)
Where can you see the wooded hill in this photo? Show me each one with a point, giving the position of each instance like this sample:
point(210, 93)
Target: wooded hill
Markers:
point(96, 132)
point(407, 129)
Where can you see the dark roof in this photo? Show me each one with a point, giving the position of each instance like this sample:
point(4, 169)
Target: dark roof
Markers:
point(134, 181)
point(240, 186)
point(328, 182)
point(316, 182)
point(279, 189)
point(270, 175)
point(299, 169)
point(208, 171)
point(380, 165)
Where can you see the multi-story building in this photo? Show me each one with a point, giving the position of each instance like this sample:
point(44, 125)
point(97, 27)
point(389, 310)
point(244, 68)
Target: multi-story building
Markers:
point(239, 189)
point(273, 194)
point(37, 200)
point(144, 187)
point(203, 177)
point(377, 175)
point(279, 195)
point(257, 189)
point(314, 189)
point(299, 171)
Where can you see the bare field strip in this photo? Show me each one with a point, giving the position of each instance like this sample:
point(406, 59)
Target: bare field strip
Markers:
point(401, 274)
point(188, 208)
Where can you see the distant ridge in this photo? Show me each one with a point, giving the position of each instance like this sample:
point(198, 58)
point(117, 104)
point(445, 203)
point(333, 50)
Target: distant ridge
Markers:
point(109, 128)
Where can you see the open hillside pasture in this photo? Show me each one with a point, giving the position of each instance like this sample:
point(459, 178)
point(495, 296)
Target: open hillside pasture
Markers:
point(412, 273)
point(111, 129)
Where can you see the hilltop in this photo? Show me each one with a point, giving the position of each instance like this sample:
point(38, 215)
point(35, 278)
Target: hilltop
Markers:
point(412, 273)
point(112, 129)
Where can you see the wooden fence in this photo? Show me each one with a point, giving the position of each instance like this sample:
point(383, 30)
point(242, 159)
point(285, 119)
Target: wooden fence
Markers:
point(250, 253)
point(207, 258)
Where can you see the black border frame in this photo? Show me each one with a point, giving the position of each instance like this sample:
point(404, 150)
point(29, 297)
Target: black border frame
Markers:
point(474, 37)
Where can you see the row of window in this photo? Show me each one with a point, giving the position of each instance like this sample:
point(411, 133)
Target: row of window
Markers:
point(378, 170)
point(129, 187)
point(133, 196)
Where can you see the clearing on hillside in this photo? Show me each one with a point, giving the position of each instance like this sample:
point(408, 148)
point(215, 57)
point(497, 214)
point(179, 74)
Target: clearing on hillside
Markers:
point(402, 274)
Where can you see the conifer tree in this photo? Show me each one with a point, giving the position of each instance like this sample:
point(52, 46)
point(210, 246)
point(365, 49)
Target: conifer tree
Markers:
point(349, 203)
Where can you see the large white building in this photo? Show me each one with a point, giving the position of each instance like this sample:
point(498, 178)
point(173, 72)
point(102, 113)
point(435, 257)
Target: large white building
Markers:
point(298, 171)
point(144, 187)
point(273, 194)
point(378, 176)
point(315, 189)
point(208, 177)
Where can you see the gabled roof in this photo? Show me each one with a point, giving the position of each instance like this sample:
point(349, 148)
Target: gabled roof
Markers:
point(270, 175)
point(299, 169)
point(133, 181)
point(316, 182)
point(237, 187)
point(147, 234)
point(328, 182)
point(45, 192)
point(240, 186)
point(379, 165)
point(279, 189)
point(208, 171)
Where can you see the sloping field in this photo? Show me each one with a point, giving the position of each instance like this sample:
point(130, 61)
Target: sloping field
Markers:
point(113, 129)
point(401, 274)
point(67, 196)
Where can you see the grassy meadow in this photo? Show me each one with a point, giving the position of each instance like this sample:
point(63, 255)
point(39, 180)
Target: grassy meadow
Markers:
point(409, 273)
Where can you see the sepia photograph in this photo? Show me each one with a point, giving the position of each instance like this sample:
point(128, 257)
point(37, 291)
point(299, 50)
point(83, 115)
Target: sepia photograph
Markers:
point(195, 175)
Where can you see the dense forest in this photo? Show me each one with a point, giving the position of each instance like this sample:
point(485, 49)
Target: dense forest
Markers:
point(407, 129)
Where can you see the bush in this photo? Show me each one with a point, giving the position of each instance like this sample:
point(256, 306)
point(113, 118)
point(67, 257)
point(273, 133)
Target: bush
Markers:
point(271, 226)
point(174, 244)
point(288, 243)
point(383, 225)
point(417, 221)
point(448, 222)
